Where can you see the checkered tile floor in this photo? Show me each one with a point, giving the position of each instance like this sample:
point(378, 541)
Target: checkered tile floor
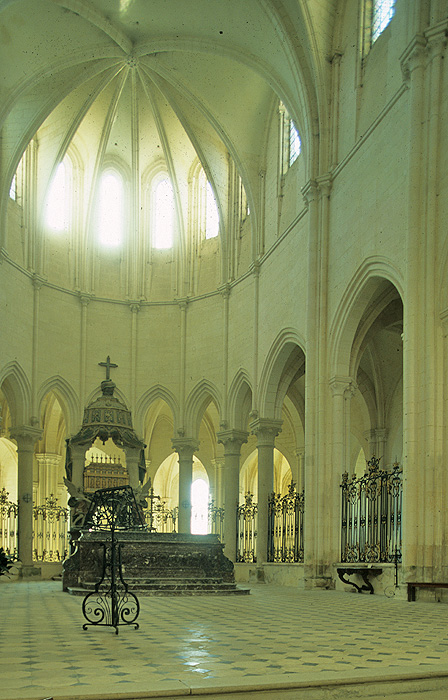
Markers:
point(274, 631)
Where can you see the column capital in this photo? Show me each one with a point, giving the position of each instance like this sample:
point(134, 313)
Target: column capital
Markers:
point(50, 458)
point(343, 386)
point(310, 191)
point(25, 436)
point(266, 430)
point(134, 306)
point(232, 440)
point(183, 302)
point(225, 290)
point(413, 56)
point(37, 281)
point(185, 447)
point(84, 298)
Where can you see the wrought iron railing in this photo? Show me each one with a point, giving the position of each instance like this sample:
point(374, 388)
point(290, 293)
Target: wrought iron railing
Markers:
point(159, 518)
point(50, 529)
point(216, 520)
point(285, 534)
point(246, 531)
point(50, 532)
point(8, 524)
point(371, 515)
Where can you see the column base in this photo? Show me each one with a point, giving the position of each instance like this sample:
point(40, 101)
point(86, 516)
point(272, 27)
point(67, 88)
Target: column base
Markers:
point(29, 571)
point(323, 582)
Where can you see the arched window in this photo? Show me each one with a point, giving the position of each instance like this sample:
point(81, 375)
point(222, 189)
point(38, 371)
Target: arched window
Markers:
point(290, 144)
point(199, 507)
point(111, 209)
point(211, 214)
point(294, 143)
point(57, 208)
point(163, 214)
point(382, 13)
point(13, 188)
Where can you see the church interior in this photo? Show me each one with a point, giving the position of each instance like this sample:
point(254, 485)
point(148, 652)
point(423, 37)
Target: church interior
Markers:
point(223, 265)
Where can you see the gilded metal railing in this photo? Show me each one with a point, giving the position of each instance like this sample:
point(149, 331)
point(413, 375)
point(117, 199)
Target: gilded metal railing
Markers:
point(8, 524)
point(216, 520)
point(50, 528)
point(159, 518)
point(50, 531)
point(371, 515)
point(246, 531)
point(285, 534)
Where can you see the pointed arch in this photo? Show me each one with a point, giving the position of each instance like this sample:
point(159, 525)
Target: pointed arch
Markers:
point(285, 359)
point(204, 393)
point(17, 390)
point(240, 400)
point(364, 285)
point(156, 392)
point(67, 397)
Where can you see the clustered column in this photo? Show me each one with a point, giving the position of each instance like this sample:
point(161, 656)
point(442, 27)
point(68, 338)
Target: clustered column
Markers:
point(232, 441)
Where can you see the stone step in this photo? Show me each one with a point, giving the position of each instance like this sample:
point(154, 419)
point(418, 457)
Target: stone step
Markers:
point(169, 589)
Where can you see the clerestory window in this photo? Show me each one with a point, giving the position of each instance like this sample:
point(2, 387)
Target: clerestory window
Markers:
point(163, 214)
point(111, 209)
point(211, 214)
point(382, 13)
point(290, 144)
point(57, 210)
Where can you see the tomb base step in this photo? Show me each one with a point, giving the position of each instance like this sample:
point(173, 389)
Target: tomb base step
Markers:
point(169, 587)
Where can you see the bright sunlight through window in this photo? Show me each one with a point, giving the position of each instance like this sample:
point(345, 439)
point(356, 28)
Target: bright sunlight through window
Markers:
point(383, 11)
point(57, 205)
point(211, 214)
point(294, 143)
point(199, 507)
point(111, 208)
point(163, 215)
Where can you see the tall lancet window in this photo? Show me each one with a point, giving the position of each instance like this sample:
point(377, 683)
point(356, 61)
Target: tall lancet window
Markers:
point(382, 13)
point(211, 214)
point(57, 208)
point(111, 209)
point(163, 219)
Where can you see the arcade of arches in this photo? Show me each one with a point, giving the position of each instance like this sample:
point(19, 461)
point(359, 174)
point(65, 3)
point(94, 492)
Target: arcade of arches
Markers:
point(292, 322)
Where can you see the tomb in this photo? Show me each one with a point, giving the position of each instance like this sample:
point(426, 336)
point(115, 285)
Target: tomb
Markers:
point(152, 563)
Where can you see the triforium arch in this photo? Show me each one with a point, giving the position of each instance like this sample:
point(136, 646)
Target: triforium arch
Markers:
point(284, 364)
point(368, 362)
point(154, 394)
point(196, 405)
point(17, 390)
point(67, 398)
point(240, 401)
point(157, 432)
point(359, 293)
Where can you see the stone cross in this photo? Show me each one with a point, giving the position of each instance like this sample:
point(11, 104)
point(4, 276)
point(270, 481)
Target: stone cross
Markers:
point(108, 364)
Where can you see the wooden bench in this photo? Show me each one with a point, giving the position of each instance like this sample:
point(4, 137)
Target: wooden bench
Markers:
point(418, 584)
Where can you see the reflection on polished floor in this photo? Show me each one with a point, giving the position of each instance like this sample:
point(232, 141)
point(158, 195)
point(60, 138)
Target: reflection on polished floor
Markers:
point(212, 641)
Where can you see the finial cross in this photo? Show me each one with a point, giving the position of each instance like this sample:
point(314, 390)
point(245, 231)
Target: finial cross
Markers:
point(108, 364)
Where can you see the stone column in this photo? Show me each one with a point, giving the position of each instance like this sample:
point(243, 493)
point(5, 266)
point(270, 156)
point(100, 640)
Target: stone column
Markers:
point(185, 448)
point(48, 481)
point(216, 483)
point(343, 388)
point(132, 462)
point(266, 431)
point(300, 481)
point(25, 436)
point(232, 441)
point(78, 455)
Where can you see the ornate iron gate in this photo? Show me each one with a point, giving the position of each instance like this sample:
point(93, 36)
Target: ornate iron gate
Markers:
point(246, 529)
point(285, 535)
point(371, 515)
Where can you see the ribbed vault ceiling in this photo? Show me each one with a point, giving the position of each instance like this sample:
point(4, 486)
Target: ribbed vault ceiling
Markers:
point(141, 80)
